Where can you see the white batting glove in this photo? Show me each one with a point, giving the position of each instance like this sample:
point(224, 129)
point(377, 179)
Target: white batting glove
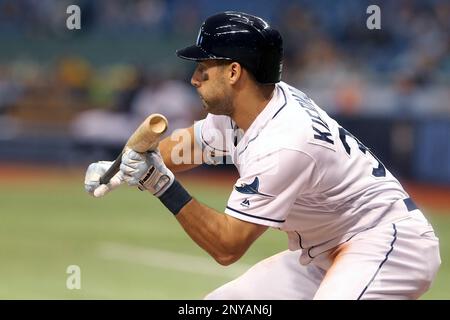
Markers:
point(92, 179)
point(147, 171)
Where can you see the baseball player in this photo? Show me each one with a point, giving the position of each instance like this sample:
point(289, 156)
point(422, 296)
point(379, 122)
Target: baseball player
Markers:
point(354, 233)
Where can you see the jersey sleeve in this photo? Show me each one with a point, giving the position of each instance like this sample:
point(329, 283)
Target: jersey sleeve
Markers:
point(266, 193)
point(212, 134)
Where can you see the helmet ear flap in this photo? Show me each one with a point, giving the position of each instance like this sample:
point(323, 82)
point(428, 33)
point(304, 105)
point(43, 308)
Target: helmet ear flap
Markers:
point(270, 57)
point(269, 62)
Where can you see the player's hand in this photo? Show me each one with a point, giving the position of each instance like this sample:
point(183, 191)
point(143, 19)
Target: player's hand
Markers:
point(147, 171)
point(92, 179)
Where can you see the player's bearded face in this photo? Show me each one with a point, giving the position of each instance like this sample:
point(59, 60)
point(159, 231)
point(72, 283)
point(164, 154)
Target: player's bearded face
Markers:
point(209, 79)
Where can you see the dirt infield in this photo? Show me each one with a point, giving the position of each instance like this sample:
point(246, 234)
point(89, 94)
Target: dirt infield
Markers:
point(430, 196)
point(425, 195)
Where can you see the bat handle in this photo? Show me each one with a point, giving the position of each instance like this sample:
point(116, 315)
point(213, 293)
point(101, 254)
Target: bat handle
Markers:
point(115, 167)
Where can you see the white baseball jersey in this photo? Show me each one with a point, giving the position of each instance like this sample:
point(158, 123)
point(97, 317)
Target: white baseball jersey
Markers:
point(301, 172)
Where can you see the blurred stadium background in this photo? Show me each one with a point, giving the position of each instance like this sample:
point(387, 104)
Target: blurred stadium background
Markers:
point(68, 98)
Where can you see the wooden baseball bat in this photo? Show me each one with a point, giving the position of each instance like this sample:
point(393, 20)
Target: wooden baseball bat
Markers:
point(145, 138)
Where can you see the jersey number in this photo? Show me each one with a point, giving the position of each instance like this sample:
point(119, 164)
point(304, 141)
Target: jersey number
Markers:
point(380, 171)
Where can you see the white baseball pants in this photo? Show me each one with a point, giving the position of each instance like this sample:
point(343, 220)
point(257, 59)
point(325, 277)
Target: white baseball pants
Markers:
point(397, 260)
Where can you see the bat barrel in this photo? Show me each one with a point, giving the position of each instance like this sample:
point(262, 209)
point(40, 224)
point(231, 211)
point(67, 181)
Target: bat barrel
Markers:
point(158, 124)
point(145, 138)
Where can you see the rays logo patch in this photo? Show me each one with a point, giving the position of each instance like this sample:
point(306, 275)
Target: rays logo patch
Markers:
point(251, 188)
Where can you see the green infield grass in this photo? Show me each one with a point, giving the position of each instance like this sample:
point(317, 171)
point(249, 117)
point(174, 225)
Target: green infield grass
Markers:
point(126, 245)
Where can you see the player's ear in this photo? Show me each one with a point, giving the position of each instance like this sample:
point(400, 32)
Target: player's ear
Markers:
point(235, 72)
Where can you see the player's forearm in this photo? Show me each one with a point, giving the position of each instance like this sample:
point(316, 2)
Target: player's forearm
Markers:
point(180, 154)
point(213, 232)
point(224, 237)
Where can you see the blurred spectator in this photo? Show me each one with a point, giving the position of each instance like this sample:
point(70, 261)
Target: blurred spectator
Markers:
point(10, 90)
point(172, 98)
point(139, 95)
point(75, 75)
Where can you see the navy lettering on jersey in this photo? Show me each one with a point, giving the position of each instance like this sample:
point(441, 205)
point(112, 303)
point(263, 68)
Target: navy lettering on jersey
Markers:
point(380, 170)
point(319, 125)
point(322, 135)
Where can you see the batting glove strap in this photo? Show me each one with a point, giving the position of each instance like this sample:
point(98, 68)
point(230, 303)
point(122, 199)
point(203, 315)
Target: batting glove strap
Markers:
point(175, 197)
point(156, 182)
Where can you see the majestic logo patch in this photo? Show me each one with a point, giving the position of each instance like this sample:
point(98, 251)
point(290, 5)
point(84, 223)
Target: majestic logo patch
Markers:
point(245, 203)
point(251, 188)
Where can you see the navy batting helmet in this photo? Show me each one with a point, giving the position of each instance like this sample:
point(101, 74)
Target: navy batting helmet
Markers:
point(240, 37)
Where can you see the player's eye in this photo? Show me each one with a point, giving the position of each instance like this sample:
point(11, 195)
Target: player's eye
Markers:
point(204, 76)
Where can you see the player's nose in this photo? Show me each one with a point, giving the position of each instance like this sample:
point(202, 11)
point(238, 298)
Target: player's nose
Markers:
point(195, 80)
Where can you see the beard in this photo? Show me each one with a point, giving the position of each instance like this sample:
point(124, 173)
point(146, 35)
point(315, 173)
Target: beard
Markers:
point(218, 105)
